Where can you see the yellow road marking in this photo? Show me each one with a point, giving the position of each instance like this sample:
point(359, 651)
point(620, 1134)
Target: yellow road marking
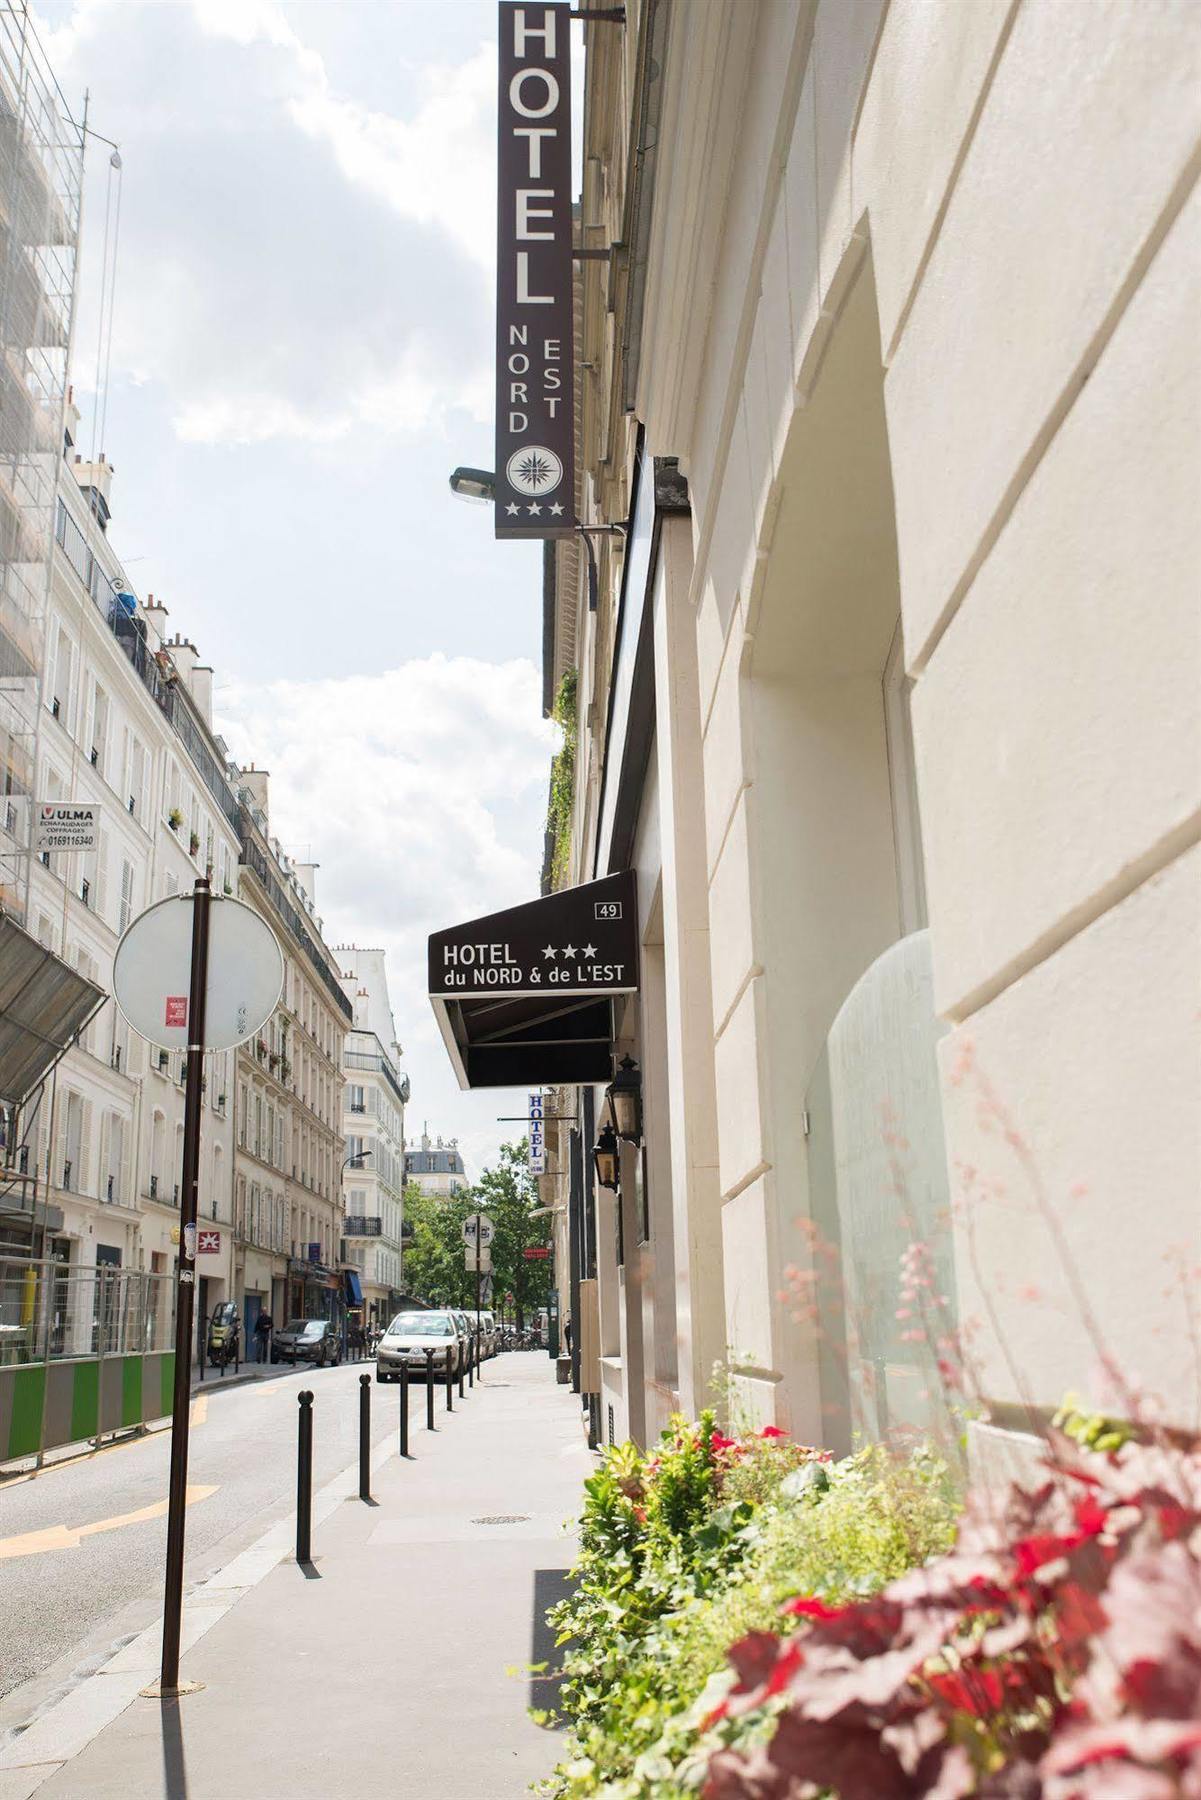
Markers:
point(200, 1409)
point(69, 1537)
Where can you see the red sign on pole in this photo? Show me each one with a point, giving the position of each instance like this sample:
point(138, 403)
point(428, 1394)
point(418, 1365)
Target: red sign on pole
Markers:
point(208, 1243)
point(533, 1252)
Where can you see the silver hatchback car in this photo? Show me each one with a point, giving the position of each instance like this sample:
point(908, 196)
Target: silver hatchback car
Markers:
point(409, 1337)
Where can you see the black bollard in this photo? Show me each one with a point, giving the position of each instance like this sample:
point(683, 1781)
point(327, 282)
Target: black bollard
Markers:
point(470, 1363)
point(462, 1374)
point(450, 1384)
point(429, 1390)
point(304, 1477)
point(404, 1409)
point(364, 1437)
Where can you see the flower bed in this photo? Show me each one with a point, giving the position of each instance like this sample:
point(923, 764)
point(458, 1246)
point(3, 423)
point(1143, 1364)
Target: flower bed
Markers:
point(697, 1546)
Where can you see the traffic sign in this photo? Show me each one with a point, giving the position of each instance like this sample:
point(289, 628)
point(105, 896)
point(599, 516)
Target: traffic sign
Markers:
point(153, 961)
point(535, 1252)
point(484, 1265)
point(483, 1224)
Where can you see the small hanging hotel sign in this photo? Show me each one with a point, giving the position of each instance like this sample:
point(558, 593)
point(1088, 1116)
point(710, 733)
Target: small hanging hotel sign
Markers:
point(535, 424)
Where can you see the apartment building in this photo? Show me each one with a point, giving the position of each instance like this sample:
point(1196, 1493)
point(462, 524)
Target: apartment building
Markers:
point(288, 1157)
point(373, 1117)
point(126, 726)
point(436, 1167)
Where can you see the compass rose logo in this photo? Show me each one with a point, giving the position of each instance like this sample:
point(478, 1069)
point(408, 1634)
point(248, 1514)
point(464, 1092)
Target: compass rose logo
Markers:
point(534, 470)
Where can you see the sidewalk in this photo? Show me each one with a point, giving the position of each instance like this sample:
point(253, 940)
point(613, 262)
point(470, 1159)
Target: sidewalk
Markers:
point(395, 1667)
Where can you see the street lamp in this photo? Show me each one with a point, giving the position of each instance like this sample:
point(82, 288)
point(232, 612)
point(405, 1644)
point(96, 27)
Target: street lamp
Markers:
point(604, 1156)
point(479, 486)
point(625, 1100)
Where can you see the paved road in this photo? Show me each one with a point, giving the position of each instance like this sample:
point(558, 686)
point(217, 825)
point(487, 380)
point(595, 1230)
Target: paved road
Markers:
point(63, 1597)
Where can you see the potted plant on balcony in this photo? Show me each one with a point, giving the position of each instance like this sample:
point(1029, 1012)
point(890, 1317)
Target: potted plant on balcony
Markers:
point(175, 818)
point(193, 842)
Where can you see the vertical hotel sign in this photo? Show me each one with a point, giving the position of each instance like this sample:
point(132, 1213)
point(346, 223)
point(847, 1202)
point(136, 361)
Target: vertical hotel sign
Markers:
point(535, 423)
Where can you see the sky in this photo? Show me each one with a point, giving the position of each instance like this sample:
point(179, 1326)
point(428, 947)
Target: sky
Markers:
point(301, 351)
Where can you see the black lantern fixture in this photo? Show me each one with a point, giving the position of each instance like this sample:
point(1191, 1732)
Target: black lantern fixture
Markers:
point(624, 1095)
point(604, 1155)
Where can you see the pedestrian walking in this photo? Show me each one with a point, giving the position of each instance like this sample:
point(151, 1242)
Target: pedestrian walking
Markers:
point(263, 1327)
point(567, 1334)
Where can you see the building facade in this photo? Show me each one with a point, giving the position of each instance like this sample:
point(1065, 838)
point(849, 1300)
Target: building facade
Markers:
point(435, 1167)
point(288, 1159)
point(373, 1124)
point(889, 701)
point(125, 726)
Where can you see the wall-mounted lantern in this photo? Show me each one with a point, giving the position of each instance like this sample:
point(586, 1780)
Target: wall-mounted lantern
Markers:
point(604, 1156)
point(624, 1095)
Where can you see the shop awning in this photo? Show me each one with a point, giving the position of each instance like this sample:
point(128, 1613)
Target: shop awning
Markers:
point(354, 1291)
point(525, 997)
point(43, 1004)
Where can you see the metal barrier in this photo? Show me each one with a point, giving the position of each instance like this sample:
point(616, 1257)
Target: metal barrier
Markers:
point(83, 1352)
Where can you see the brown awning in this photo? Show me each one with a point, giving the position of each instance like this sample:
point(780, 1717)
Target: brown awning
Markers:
point(524, 998)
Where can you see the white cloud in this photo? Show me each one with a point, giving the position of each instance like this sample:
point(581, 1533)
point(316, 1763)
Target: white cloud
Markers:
point(294, 263)
point(421, 792)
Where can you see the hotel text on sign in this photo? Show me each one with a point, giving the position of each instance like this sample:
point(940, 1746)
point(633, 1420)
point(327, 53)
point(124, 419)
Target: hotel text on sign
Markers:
point(535, 472)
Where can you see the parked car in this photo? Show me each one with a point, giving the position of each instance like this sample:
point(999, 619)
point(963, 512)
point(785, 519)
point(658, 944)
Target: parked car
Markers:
point(488, 1332)
point(407, 1339)
point(317, 1341)
point(466, 1325)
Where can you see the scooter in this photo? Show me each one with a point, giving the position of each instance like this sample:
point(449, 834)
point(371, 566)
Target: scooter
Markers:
point(225, 1336)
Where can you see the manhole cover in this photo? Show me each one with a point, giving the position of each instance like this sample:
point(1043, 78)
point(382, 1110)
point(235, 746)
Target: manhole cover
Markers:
point(503, 1519)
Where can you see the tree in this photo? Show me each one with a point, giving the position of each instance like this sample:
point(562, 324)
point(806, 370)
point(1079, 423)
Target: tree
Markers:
point(434, 1263)
point(509, 1195)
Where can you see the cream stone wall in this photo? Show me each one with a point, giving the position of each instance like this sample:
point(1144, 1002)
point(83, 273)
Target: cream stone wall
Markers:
point(1012, 182)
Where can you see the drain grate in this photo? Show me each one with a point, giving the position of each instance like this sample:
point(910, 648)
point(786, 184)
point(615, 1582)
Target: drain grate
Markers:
point(503, 1519)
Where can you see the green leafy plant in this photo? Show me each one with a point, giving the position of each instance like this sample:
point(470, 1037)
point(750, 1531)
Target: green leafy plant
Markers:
point(1091, 1430)
point(687, 1550)
point(562, 779)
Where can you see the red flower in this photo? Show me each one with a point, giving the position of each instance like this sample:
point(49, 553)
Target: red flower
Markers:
point(813, 1609)
point(772, 1431)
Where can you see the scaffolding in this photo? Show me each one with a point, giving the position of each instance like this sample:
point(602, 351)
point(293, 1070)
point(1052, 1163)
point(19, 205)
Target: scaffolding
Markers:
point(41, 178)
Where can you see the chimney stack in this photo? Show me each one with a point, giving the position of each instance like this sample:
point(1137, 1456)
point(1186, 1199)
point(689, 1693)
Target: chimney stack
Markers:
point(255, 782)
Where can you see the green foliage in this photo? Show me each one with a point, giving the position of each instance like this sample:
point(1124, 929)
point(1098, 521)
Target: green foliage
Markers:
point(1091, 1430)
point(434, 1264)
point(562, 779)
point(684, 1552)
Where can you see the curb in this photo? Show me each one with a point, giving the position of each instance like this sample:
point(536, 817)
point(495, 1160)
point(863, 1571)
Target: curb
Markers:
point(68, 1726)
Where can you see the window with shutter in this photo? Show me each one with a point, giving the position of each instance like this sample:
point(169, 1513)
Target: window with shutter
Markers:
point(125, 909)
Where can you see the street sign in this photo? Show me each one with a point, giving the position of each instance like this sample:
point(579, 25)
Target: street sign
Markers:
point(483, 1224)
point(536, 1252)
point(153, 960)
point(484, 1265)
point(485, 1290)
point(208, 1243)
point(67, 827)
